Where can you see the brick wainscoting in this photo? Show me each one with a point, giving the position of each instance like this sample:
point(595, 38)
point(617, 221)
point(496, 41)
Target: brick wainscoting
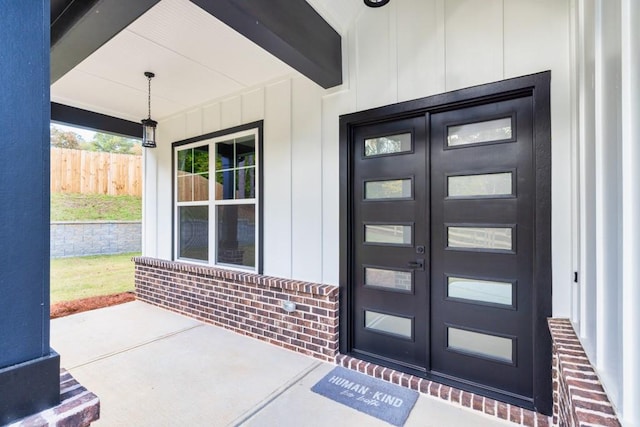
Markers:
point(246, 303)
point(578, 396)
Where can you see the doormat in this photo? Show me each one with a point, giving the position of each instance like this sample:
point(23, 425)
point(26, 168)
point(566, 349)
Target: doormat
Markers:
point(380, 399)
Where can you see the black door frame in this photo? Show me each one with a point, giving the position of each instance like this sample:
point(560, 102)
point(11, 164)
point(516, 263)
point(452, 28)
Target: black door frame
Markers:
point(538, 86)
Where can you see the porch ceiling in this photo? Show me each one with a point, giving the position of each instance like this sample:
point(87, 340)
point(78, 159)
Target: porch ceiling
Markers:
point(195, 56)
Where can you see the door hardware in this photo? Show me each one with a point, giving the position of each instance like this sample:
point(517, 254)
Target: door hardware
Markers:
point(417, 264)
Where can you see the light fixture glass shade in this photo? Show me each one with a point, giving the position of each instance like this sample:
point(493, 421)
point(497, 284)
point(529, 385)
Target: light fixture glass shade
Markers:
point(149, 133)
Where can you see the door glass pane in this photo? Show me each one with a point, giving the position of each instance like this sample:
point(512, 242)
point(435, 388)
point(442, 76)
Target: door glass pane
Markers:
point(390, 279)
point(480, 344)
point(480, 238)
point(388, 189)
point(480, 290)
point(490, 184)
point(386, 323)
point(391, 234)
point(387, 144)
point(194, 232)
point(476, 133)
point(236, 235)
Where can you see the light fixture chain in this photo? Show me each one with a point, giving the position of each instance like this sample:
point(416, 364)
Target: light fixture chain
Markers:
point(149, 79)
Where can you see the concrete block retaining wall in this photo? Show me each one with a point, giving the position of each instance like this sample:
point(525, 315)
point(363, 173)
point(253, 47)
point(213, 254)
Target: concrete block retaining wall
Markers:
point(69, 239)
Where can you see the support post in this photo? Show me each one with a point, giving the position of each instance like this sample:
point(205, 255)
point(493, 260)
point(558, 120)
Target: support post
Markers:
point(29, 368)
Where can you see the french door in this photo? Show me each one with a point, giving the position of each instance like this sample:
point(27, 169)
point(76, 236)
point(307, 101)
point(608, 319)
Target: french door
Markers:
point(482, 234)
point(441, 262)
point(390, 227)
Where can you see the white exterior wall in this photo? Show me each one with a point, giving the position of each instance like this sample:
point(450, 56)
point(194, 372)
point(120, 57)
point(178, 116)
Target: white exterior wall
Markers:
point(405, 50)
point(630, 292)
point(411, 49)
point(607, 92)
point(416, 48)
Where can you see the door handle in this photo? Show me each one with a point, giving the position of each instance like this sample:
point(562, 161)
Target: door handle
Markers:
point(417, 264)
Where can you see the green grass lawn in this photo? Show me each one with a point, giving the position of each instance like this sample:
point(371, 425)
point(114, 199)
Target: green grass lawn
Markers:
point(81, 277)
point(83, 207)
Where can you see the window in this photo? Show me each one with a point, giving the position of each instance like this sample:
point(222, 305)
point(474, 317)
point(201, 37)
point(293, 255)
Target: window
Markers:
point(217, 209)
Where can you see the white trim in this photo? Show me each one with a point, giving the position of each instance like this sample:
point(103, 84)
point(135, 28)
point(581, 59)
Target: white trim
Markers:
point(212, 203)
point(630, 292)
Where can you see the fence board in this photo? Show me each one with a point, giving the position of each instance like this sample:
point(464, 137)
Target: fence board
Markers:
point(80, 171)
point(56, 180)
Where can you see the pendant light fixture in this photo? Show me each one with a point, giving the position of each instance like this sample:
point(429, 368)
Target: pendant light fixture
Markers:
point(149, 125)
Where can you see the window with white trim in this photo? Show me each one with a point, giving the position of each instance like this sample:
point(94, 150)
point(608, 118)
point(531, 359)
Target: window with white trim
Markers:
point(217, 200)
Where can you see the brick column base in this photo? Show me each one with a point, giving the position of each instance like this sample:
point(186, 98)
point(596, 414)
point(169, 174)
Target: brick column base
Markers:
point(578, 396)
point(78, 407)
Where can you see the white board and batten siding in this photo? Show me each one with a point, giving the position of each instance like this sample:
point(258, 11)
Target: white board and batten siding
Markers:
point(607, 94)
point(405, 50)
point(412, 49)
point(291, 110)
point(415, 48)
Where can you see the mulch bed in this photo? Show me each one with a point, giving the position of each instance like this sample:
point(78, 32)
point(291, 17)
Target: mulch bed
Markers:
point(66, 308)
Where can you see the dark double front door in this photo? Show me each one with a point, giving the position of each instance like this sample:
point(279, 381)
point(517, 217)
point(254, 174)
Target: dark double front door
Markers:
point(442, 240)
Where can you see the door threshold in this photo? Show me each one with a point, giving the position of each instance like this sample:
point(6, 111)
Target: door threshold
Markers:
point(505, 411)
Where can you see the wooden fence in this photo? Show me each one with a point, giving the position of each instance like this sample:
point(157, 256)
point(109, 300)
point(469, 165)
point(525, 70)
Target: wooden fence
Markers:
point(81, 171)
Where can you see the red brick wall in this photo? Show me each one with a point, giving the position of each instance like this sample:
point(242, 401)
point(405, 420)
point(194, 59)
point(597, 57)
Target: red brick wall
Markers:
point(78, 407)
point(476, 402)
point(246, 303)
point(251, 304)
point(578, 396)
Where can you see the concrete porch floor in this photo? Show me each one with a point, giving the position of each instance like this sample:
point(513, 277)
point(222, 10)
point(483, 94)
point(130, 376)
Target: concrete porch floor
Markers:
point(152, 367)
